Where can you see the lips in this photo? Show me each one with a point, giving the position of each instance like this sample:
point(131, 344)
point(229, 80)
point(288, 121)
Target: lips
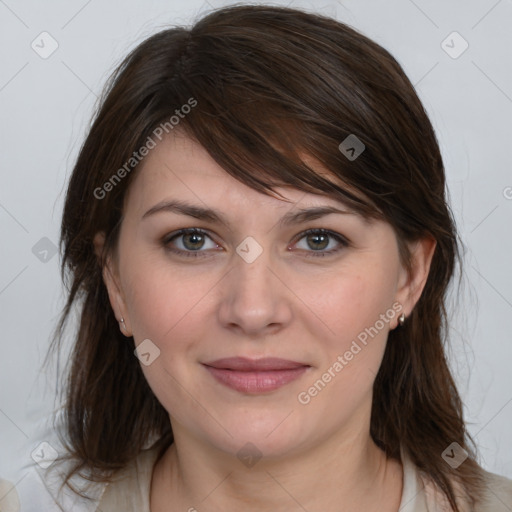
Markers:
point(243, 364)
point(255, 376)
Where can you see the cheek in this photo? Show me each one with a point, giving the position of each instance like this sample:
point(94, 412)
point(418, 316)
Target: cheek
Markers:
point(352, 302)
point(161, 299)
point(168, 307)
point(351, 305)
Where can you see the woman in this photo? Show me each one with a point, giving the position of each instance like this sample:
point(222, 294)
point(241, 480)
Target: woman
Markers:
point(257, 234)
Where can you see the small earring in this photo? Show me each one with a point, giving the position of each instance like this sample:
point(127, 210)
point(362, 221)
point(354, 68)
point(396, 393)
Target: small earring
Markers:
point(122, 322)
point(401, 319)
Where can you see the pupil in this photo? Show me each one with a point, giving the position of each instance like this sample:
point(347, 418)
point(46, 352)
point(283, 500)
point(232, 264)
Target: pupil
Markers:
point(324, 242)
point(196, 241)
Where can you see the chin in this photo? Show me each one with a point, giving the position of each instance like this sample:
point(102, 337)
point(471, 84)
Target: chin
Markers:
point(264, 433)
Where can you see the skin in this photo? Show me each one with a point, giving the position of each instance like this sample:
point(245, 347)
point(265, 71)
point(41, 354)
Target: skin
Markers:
point(283, 304)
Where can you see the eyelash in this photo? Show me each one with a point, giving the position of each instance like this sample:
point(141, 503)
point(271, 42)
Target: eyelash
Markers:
point(314, 231)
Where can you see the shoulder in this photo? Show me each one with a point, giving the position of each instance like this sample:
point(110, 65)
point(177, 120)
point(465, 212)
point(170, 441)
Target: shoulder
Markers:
point(34, 492)
point(36, 489)
point(9, 498)
point(422, 494)
point(130, 489)
point(35, 482)
point(498, 494)
point(34, 479)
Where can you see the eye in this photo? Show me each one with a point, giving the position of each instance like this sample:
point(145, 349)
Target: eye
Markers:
point(317, 242)
point(189, 242)
point(193, 242)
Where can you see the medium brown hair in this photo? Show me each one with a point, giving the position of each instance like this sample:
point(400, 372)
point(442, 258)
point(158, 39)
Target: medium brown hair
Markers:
point(271, 85)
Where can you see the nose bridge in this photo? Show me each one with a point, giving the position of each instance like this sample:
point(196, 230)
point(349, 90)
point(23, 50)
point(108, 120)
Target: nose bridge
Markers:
point(251, 276)
point(253, 298)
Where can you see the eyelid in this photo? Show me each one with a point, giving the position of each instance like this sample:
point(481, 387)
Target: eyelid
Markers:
point(313, 231)
point(341, 239)
point(185, 231)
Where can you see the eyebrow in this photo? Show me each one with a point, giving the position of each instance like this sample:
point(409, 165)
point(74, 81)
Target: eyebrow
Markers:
point(208, 214)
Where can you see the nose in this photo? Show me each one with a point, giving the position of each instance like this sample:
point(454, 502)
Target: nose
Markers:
point(255, 300)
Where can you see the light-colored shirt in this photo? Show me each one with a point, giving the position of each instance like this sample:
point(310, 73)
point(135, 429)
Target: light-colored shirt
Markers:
point(130, 491)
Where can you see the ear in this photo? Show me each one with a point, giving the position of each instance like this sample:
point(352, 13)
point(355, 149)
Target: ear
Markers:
point(411, 284)
point(112, 282)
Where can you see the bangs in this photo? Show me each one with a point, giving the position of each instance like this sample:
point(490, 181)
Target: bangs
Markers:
point(263, 126)
point(259, 143)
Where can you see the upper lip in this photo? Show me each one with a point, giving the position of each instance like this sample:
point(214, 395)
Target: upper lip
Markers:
point(247, 365)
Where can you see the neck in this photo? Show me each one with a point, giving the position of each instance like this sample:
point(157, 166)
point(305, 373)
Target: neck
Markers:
point(348, 473)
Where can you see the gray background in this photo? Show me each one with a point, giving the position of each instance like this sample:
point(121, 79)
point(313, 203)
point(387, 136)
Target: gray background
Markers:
point(46, 104)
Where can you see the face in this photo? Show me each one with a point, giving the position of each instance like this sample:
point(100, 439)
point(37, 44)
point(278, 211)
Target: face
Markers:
point(251, 280)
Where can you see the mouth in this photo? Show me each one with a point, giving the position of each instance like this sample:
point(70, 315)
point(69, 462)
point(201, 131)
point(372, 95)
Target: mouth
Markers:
point(255, 376)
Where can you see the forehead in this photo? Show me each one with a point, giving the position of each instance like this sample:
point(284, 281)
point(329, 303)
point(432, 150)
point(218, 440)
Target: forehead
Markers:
point(180, 167)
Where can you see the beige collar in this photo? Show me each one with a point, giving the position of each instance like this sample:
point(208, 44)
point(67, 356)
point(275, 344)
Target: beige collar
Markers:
point(131, 491)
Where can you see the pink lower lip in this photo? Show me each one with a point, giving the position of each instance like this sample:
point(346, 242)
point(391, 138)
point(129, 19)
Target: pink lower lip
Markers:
point(256, 381)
